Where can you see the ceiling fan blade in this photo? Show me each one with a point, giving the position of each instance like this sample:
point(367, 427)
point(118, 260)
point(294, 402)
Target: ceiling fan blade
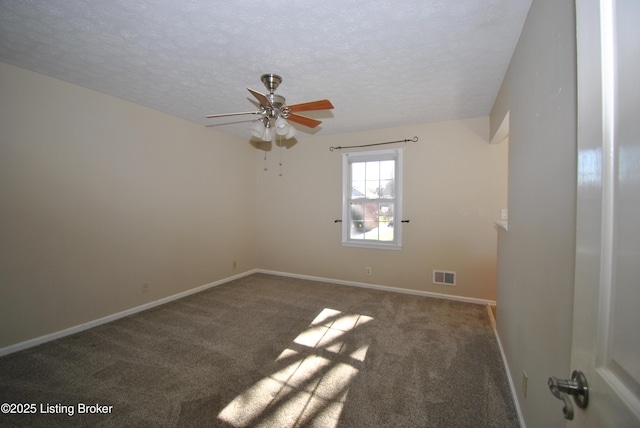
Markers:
point(304, 120)
point(209, 116)
point(264, 101)
point(312, 105)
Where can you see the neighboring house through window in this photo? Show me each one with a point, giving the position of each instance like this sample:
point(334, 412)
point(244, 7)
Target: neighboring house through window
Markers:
point(371, 201)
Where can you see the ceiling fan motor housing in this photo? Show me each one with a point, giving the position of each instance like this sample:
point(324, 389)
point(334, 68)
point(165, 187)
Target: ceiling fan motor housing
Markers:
point(279, 106)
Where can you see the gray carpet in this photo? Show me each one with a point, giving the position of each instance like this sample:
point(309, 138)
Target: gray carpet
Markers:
point(275, 352)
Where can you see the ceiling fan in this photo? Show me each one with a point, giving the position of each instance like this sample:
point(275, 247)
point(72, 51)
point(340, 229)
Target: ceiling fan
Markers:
point(274, 112)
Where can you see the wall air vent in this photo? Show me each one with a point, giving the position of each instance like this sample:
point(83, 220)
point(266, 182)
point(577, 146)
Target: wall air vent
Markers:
point(442, 277)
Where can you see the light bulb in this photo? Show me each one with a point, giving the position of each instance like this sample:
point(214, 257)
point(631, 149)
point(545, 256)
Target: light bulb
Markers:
point(268, 134)
point(257, 130)
point(291, 133)
point(282, 127)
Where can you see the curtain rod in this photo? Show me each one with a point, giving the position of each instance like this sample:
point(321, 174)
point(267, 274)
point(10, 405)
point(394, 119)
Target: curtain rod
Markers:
point(414, 139)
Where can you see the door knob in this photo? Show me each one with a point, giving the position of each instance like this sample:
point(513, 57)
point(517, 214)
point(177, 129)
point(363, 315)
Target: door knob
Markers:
point(576, 386)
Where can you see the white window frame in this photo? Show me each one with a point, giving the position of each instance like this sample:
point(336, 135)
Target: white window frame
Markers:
point(347, 160)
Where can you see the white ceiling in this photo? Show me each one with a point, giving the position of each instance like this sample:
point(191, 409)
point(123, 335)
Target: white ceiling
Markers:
point(382, 63)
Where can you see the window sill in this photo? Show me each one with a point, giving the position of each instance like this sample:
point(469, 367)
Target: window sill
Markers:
point(502, 225)
point(375, 246)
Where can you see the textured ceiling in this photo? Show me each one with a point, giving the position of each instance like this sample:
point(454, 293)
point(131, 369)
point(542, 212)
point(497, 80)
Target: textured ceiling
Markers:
point(382, 63)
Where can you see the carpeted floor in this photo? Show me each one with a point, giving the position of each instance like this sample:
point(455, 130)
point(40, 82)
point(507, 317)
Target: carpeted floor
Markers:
point(274, 352)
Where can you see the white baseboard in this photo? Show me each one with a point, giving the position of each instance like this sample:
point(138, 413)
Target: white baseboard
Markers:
point(506, 368)
point(381, 287)
point(85, 326)
point(94, 323)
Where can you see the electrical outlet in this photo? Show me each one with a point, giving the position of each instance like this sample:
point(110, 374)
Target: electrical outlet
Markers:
point(525, 380)
point(145, 287)
point(367, 270)
point(504, 214)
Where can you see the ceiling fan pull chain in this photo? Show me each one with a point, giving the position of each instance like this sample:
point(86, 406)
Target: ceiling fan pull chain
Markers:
point(280, 157)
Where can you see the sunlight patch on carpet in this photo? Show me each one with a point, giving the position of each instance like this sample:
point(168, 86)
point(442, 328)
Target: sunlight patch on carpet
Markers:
point(313, 379)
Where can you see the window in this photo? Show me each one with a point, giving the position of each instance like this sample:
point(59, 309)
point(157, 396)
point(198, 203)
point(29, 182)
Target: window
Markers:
point(371, 199)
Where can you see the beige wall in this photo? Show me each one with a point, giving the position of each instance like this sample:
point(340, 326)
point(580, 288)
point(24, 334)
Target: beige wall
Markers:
point(536, 255)
point(454, 188)
point(98, 195)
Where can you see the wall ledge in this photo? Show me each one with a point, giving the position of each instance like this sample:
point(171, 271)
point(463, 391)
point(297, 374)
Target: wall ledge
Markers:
point(504, 225)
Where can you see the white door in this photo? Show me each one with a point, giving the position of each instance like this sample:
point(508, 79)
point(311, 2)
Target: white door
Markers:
point(606, 330)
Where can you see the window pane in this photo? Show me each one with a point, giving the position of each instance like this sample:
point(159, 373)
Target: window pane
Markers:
point(386, 222)
point(357, 221)
point(386, 210)
point(371, 211)
point(373, 170)
point(357, 189)
point(372, 230)
point(387, 189)
point(358, 184)
point(387, 170)
point(373, 189)
point(358, 171)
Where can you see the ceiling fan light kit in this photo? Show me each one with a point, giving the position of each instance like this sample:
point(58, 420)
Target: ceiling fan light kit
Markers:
point(274, 112)
point(284, 129)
